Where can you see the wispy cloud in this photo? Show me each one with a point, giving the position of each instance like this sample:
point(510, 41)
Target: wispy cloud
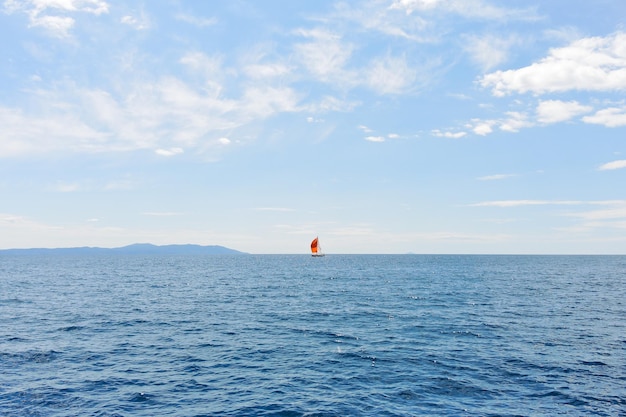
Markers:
point(67, 187)
point(122, 184)
point(521, 203)
point(278, 209)
point(471, 9)
point(390, 75)
point(616, 210)
point(611, 215)
point(325, 55)
point(52, 15)
point(196, 20)
point(12, 221)
point(26, 133)
point(141, 22)
point(489, 51)
point(496, 177)
point(613, 210)
point(389, 21)
point(165, 115)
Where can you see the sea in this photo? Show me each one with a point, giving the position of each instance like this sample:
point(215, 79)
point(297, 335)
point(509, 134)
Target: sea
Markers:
point(293, 335)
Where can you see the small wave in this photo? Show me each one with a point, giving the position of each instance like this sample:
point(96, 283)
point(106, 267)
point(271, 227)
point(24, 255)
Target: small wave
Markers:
point(450, 387)
point(71, 328)
point(273, 410)
point(593, 363)
point(563, 397)
point(29, 357)
point(140, 397)
point(16, 339)
point(357, 355)
point(9, 301)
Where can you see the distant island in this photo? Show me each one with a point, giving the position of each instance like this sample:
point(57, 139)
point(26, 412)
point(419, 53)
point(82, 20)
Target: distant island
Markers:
point(135, 249)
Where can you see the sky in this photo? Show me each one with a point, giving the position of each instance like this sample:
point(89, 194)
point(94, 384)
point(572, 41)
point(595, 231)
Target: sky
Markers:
point(381, 126)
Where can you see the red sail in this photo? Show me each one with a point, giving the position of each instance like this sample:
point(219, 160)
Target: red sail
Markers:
point(314, 246)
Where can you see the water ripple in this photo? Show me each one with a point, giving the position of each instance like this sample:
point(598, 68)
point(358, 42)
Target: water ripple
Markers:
point(293, 336)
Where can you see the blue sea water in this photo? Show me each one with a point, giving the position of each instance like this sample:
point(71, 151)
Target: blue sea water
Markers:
point(343, 335)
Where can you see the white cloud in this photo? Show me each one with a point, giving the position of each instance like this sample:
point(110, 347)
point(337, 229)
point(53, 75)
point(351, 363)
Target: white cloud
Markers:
point(409, 6)
point(611, 117)
point(452, 135)
point(613, 165)
point(554, 111)
point(377, 138)
point(42, 13)
point(169, 152)
point(56, 25)
point(514, 122)
point(88, 6)
point(484, 127)
point(589, 64)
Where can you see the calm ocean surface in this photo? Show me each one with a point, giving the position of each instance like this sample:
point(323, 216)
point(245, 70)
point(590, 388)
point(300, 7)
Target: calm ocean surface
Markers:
point(344, 335)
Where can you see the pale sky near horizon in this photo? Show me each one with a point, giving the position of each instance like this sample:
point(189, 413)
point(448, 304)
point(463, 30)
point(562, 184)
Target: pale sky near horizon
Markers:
point(381, 126)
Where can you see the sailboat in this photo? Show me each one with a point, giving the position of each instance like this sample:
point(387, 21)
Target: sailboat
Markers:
point(316, 249)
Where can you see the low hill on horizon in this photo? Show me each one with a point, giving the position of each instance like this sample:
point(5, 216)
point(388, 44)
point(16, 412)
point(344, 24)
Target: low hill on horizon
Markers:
point(136, 248)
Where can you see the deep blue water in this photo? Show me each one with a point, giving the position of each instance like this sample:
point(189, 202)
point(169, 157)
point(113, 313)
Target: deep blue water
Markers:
point(121, 335)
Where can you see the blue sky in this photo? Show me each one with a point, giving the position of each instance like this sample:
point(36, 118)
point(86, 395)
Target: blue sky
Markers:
point(383, 126)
